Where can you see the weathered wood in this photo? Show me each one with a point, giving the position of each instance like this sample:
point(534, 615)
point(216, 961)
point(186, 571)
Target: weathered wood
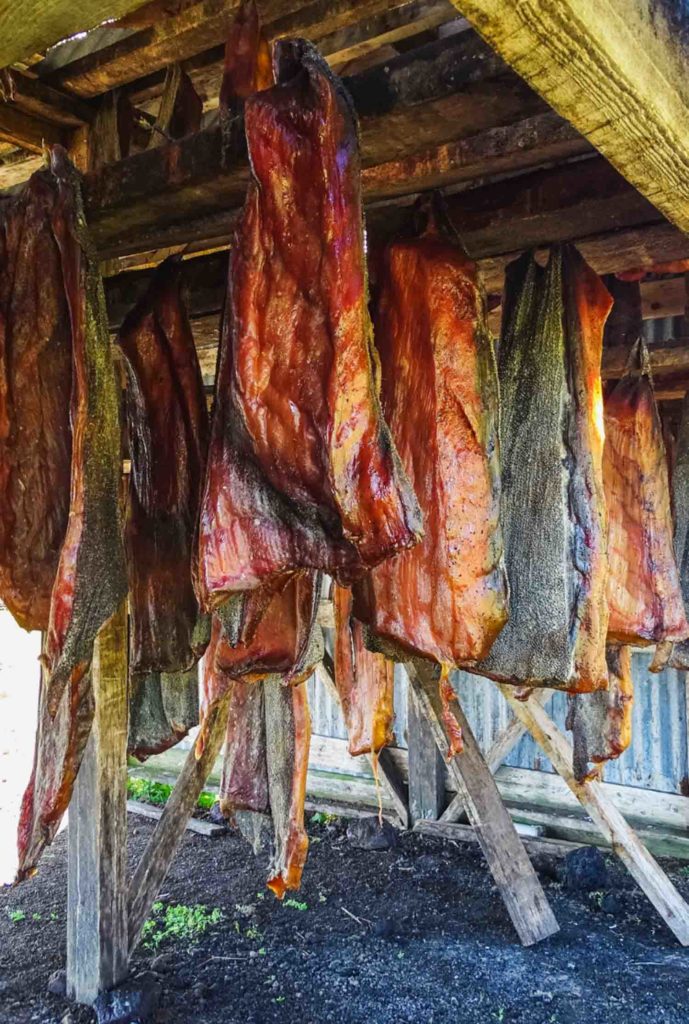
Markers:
point(502, 745)
point(390, 26)
point(535, 846)
point(383, 767)
point(616, 69)
point(426, 765)
point(37, 24)
point(668, 358)
point(34, 97)
point(625, 843)
point(202, 828)
point(96, 890)
point(155, 861)
point(29, 132)
point(509, 864)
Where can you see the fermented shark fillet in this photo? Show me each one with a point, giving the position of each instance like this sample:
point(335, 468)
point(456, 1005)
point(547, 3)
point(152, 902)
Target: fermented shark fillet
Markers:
point(168, 433)
point(244, 780)
point(601, 722)
point(445, 599)
point(288, 644)
point(248, 69)
point(553, 507)
point(302, 469)
point(644, 592)
point(288, 732)
point(91, 577)
point(364, 682)
point(35, 388)
point(163, 707)
point(60, 743)
point(679, 655)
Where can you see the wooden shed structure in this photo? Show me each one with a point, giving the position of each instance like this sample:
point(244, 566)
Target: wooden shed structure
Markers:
point(542, 121)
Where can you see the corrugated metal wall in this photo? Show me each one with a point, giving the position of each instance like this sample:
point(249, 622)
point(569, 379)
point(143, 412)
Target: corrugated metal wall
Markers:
point(657, 758)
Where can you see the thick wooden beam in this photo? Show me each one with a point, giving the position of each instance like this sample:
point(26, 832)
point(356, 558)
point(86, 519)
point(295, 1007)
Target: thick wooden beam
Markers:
point(507, 859)
point(392, 25)
point(625, 843)
point(667, 360)
point(34, 97)
point(29, 132)
point(37, 24)
point(426, 765)
point(97, 948)
point(157, 857)
point(615, 69)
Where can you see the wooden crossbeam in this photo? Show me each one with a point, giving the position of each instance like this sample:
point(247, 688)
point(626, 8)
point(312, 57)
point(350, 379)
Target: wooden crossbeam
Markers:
point(29, 132)
point(616, 69)
point(97, 862)
point(385, 769)
point(624, 841)
point(162, 846)
point(34, 97)
point(502, 745)
point(507, 859)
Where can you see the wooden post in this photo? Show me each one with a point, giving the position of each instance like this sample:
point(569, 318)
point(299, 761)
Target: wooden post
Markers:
point(96, 889)
point(426, 765)
point(624, 841)
point(507, 859)
point(155, 862)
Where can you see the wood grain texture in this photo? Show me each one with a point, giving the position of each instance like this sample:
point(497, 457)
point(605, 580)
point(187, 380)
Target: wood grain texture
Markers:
point(625, 843)
point(157, 857)
point(507, 859)
point(37, 24)
point(97, 949)
point(426, 766)
point(613, 68)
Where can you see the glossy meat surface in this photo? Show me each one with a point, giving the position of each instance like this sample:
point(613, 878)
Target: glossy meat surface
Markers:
point(644, 591)
point(446, 598)
point(35, 388)
point(553, 507)
point(601, 722)
point(364, 682)
point(302, 470)
point(168, 433)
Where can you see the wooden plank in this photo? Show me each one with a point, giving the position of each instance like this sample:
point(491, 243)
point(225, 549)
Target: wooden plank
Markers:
point(155, 861)
point(383, 767)
point(615, 69)
point(97, 869)
point(29, 94)
point(29, 132)
point(37, 24)
point(625, 843)
point(210, 829)
point(507, 860)
point(502, 745)
point(388, 27)
point(534, 846)
point(426, 765)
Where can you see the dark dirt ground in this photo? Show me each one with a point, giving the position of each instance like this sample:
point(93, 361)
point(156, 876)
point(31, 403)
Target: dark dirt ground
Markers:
point(432, 942)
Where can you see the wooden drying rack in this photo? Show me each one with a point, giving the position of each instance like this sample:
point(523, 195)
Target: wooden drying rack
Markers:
point(455, 112)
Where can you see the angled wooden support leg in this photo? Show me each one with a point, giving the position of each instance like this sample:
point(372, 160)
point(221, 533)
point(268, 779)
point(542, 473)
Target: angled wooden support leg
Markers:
point(385, 769)
point(624, 841)
point(501, 746)
point(507, 859)
point(157, 857)
point(97, 948)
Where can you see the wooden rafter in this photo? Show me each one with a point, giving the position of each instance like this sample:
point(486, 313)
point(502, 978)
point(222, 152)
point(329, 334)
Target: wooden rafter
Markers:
point(616, 69)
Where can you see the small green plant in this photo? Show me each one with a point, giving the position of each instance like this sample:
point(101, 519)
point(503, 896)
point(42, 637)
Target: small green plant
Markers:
point(295, 904)
point(206, 801)
point(253, 932)
point(36, 917)
point(54, 915)
point(279, 999)
point(16, 915)
point(262, 951)
point(684, 870)
point(323, 818)
point(178, 922)
point(597, 898)
point(158, 793)
point(499, 1014)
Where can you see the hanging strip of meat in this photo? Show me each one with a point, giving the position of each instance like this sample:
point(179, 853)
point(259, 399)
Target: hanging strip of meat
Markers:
point(91, 576)
point(302, 470)
point(168, 434)
point(445, 599)
point(601, 722)
point(163, 707)
point(35, 388)
point(644, 591)
point(553, 507)
point(288, 729)
point(244, 780)
point(365, 682)
point(679, 658)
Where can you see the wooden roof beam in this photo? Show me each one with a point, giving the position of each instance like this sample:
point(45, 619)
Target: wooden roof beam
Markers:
point(616, 70)
point(29, 132)
point(35, 25)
